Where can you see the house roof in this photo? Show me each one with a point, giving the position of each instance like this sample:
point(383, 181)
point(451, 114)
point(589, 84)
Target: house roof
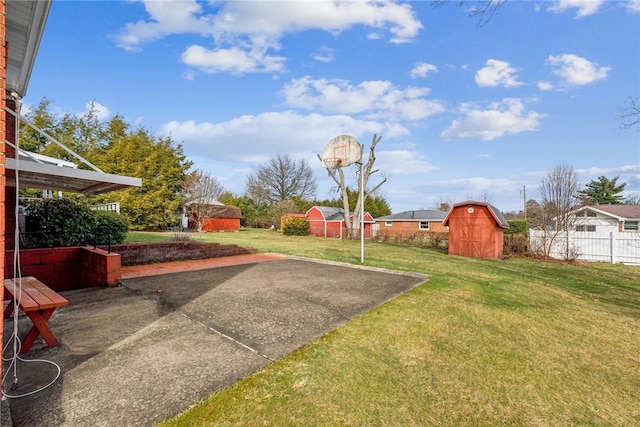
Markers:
point(621, 212)
point(500, 220)
point(417, 215)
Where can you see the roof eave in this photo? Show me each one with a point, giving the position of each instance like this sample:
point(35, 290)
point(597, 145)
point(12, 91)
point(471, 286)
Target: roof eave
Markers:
point(25, 41)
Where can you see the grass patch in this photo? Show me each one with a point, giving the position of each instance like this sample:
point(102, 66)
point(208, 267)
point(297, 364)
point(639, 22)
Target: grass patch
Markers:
point(483, 342)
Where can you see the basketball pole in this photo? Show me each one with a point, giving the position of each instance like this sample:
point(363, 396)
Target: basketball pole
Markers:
point(361, 215)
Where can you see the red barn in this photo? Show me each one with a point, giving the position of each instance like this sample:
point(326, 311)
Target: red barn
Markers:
point(327, 221)
point(222, 218)
point(476, 229)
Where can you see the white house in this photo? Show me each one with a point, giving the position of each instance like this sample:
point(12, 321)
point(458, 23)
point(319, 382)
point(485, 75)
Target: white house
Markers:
point(607, 218)
point(603, 233)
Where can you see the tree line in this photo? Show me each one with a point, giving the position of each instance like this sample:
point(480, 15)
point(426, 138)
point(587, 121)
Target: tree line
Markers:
point(169, 183)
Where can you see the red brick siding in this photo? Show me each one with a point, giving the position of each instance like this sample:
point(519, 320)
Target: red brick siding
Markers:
point(63, 269)
point(410, 228)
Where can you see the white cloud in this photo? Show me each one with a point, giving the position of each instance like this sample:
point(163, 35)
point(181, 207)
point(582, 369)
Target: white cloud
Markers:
point(501, 118)
point(374, 99)
point(577, 71)
point(585, 7)
point(166, 18)
point(421, 69)
point(323, 54)
point(596, 170)
point(233, 60)
point(544, 85)
point(497, 73)
point(243, 32)
point(259, 136)
point(403, 162)
point(632, 6)
point(461, 189)
point(101, 111)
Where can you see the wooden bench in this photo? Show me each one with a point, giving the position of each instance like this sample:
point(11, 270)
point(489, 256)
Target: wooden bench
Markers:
point(38, 302)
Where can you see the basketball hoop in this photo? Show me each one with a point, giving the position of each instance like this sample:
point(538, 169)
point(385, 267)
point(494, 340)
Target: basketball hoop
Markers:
point(332, 162)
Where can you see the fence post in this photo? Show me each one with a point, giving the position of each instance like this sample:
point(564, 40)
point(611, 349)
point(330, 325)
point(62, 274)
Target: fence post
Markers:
point(612, 243)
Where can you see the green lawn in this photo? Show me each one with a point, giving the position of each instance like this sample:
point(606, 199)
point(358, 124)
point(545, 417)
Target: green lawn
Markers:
point(517, 342)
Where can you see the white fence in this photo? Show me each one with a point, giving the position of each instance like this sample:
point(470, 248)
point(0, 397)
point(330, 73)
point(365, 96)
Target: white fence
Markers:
point(114, 207)
point(613, 247)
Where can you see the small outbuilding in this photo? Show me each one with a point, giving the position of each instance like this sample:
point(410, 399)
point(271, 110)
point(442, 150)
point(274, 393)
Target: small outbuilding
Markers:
point(326, 221)
point(222, 218)
point(476, 229)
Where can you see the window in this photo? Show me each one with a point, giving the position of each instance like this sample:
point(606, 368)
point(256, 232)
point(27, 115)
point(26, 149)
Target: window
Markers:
point(581, 214)
point(589, 228)
point(591, 214)
point(388, 223)
point(424, 225)
point(631, 226)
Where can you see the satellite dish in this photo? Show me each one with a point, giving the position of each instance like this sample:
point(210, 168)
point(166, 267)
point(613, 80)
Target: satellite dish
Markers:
point(343, 150)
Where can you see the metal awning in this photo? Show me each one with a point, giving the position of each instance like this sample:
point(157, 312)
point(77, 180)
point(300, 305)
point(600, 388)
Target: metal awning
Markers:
point(32, 174)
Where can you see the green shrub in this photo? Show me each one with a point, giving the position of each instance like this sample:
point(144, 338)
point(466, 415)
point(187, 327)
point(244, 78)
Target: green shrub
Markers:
point(59, 222)
point(517, 226)
point(296, 226)
point(70, 222)
point(109, 227)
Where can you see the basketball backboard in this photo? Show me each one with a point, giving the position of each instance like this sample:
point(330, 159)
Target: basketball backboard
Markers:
point(341, 151)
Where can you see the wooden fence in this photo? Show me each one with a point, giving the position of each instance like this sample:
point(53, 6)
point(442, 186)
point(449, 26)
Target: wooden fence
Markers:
point(612, 247)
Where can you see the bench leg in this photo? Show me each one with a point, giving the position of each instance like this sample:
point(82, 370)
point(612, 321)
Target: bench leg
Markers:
point(8, 311)
point(40, 327)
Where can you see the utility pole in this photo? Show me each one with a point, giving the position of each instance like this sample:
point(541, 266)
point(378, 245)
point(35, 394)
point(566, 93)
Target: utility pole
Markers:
point(524, 192)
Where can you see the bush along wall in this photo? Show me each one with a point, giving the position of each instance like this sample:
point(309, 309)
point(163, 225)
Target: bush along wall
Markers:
point(70, 222)
point(516, 237)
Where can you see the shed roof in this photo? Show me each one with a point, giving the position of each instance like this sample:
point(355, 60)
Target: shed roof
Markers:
point(331, 213)
point(222, 211)
point(417, 215)
point(500, 220)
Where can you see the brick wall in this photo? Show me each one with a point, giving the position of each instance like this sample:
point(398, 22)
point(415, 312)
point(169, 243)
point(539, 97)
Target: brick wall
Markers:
point(174, 251)
point(64, 269)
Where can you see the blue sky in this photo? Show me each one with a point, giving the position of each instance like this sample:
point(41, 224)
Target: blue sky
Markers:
point(465, 112)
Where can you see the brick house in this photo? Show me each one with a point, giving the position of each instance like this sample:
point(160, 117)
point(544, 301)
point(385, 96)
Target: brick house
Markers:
point(412, 223)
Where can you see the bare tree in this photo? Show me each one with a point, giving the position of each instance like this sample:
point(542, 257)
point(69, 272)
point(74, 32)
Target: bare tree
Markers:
point(442, 204)
point(483, 10)
point(337, 174)
point(202, 191)
point(629, 115)
point(559, 191)
point(282, 178)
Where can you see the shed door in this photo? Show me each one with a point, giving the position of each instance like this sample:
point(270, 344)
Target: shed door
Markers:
point(470, 238)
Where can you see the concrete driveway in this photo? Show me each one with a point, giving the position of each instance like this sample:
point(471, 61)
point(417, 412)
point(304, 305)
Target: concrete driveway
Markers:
point(143, 352)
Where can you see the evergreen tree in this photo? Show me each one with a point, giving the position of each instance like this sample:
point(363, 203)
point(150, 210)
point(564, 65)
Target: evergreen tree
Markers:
point(603, 191)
